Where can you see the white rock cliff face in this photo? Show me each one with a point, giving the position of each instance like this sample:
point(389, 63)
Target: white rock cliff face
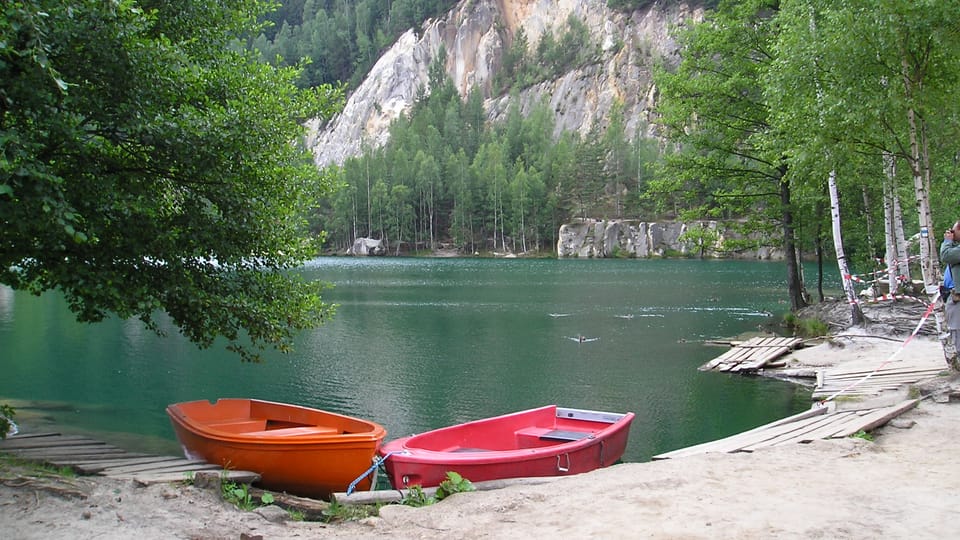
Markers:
point(475, 35)
point(640, 239)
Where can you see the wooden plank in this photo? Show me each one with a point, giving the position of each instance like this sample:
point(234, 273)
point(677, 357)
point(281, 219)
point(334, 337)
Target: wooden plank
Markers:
point(183, 469)
point(92, 449)
point(710, 445)
point(914, 376)
point(735, 444)
point(879, 417)
point(240, 477)
point(882, 373)
point(127, 456)
point(768, 355)
point(752, 354)
point(46, 442)
point(797, 435)
point(152, 466)
point(718, 360)
point(732, 355)
point(95, 467)
point(822, 431)
point(857, 391)
point(20, 436)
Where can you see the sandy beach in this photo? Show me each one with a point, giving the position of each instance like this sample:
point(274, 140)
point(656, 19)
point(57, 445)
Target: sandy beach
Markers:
point(903, 484)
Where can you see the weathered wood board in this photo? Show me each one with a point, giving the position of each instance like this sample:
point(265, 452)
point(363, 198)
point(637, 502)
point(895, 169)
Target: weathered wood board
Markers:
point(817, 423)
point(753, 354)
point(89, 456)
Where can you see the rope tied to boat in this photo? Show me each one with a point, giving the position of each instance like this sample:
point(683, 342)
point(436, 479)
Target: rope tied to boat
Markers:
point(376, 463)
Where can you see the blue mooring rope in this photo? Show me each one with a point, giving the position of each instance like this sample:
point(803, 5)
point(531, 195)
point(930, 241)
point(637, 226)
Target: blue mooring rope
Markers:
point(376, 463)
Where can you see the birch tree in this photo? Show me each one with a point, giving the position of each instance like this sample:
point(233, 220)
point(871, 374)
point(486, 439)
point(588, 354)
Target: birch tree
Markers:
point(907, 58)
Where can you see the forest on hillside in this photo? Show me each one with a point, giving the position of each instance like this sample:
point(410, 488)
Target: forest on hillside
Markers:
point(760, 119)
point(146, 163)
point(342, 39)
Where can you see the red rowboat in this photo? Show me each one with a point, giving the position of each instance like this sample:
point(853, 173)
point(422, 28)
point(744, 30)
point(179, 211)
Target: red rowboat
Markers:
point(547, 441)
point(296, 449)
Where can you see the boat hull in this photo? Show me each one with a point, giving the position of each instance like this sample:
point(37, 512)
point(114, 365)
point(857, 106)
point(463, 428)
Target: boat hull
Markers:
point(548, 441)
point(295, 449)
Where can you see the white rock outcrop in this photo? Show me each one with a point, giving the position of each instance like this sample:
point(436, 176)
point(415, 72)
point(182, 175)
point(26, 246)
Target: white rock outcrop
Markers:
point(475, 34)
point(642, 239)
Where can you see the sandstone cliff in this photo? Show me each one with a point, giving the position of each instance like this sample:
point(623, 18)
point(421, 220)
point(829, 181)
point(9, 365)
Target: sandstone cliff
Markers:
point(639, 239)
point(475, 35)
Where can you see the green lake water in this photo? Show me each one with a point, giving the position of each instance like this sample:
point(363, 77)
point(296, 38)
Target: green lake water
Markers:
point(418, 344)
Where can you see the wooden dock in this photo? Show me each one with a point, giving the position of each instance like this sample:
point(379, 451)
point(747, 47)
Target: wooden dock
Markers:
point(92, 457)
point(752, 355)
point(871, 378)
point(819, 422)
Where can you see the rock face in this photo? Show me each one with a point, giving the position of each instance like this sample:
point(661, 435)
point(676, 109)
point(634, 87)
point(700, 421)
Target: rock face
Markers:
point(640, 239)
point(475, 35)
point(367, 246)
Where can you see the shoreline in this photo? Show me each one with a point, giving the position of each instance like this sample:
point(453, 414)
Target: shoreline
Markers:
point(903, 484)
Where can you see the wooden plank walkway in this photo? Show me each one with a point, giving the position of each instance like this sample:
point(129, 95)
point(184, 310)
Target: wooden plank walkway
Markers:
point(753, 354)
point(817, 423)
point(869, 378)
point(92, 457)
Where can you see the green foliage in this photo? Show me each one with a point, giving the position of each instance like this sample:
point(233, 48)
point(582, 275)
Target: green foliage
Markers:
point(340, 41)
point(865, 435)
point(147, 167)
point(8, 462)
point(552, 56)
point(6, 419)
point(806, 327)
point(447, 176)
point(633, 5)
point(454, 483)
point(417, 497)
point(238, 495)
point(700, 239)
point(336, 512)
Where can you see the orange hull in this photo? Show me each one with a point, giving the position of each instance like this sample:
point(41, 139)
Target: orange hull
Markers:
point(299, 450)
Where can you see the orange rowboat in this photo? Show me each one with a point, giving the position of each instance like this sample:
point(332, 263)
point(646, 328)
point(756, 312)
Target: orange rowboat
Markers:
point(296, 449)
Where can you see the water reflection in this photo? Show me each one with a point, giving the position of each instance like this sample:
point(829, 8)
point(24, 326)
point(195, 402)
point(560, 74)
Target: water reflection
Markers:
point(421, 343)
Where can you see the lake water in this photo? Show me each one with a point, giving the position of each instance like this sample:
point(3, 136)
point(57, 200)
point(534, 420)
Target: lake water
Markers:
point(418, 344)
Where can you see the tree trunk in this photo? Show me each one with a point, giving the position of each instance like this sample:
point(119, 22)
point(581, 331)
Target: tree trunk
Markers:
point(856, 314)
point(903, 254)
point(794, 285)
point(920, 170)
point(820, 263)
point(890, 234)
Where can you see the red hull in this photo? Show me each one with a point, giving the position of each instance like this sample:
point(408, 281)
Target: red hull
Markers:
point(547, 441)
point(296, 449)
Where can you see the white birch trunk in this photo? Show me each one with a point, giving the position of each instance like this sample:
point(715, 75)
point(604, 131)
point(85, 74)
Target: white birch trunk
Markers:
point(903, 254)
point(889, 225)
point(919, 169)
point(856, 314)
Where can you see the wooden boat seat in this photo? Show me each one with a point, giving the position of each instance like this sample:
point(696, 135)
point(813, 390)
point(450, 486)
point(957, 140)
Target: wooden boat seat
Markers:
point(240, 426)
point(562, 435)
point(546, 434)
point(299, 431)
